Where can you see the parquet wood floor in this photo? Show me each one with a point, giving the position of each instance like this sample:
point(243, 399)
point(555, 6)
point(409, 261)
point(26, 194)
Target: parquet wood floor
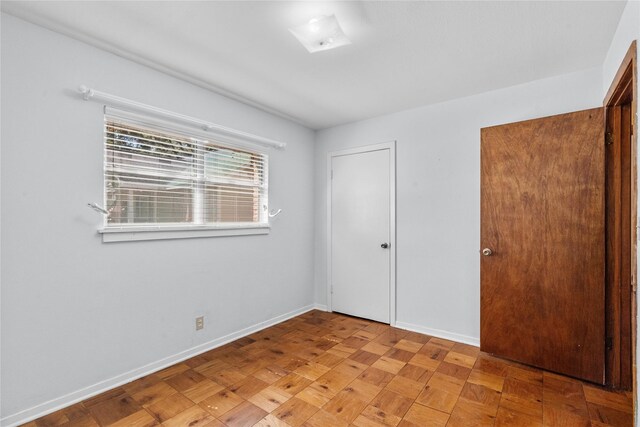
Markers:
point(326, 369)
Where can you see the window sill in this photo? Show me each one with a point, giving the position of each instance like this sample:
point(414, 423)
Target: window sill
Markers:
point(133, 234)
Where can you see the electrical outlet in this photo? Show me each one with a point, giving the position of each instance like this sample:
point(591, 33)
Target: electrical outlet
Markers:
point(199, 323)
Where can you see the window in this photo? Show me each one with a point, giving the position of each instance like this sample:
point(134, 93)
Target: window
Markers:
point(163, 178)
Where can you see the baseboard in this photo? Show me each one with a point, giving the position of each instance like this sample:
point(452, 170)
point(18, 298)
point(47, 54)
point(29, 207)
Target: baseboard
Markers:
point(53, 405)
point(439, 333)
point(321, 307)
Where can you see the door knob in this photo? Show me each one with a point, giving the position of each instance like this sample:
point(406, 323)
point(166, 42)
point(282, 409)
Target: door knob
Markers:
point(384, 245)
point(487, 252)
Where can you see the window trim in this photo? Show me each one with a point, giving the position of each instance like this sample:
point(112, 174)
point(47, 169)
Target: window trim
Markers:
point(133, 234)
point(141, 232)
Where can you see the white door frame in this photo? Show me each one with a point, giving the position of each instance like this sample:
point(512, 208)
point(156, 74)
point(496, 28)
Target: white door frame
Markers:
point(391, 146)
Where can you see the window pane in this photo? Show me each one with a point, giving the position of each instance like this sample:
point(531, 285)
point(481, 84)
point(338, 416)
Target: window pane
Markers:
point(231, 203)
point(232, 165)
point(135, 199)
point(155, 176)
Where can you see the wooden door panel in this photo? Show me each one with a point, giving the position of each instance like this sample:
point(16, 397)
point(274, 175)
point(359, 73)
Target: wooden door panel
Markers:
point(542, 215)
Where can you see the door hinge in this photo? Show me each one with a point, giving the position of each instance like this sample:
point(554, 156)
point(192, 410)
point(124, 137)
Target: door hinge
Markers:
point(608, 138)
point(608, 342)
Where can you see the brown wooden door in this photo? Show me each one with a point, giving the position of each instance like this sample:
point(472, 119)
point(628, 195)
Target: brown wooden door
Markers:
point(542, 216)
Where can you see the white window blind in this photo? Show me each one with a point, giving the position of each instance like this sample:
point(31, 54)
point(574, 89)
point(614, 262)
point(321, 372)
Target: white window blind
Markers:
point(160, 177)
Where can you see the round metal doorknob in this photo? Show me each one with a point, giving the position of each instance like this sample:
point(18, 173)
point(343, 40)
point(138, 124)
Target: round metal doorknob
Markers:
point(487, 252)
point(384, 245)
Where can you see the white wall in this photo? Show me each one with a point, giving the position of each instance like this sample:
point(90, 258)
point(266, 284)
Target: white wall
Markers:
point(627, 31)
point(438, 193)
point(76, 311)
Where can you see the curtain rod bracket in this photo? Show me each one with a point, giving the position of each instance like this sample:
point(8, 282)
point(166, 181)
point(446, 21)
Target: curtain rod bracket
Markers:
point(86, 92)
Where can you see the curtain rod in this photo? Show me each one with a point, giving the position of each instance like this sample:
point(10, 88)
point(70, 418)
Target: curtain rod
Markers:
point(92, 94)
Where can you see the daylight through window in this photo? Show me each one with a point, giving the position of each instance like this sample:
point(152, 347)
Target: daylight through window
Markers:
point(155, 177)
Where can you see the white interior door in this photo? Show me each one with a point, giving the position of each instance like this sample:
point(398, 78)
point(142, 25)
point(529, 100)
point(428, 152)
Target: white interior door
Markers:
point(360, 230)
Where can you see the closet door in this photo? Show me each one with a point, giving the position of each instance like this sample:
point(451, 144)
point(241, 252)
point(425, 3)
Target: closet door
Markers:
point(542, 237)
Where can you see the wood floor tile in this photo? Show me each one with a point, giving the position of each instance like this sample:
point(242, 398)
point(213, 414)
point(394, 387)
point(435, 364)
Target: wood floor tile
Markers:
point(228, 377)
point(202, 390)
point(376, 376)
point(114, 409)
point(460, 359)
point(376, 348)
point(107, 395)
point(132, 387)
point(425, 361)
point(330, 370)
point(481, 396)
point(270, 374)
point(522, 396)
point(618, 401)
point(493, 382)
point(610, 416)
point(245, 414)
point(248, 387)
point(333, 381)
point(169, 407)
point(324, 419)
point(345, 406)
point(415, 373)
point(292, 384)
point(438, 399)
point(328, 359)
point(138, 419)
point(442, 343)
point(405, 387)
point(392, 403)
point(565, 395)
point(434, 352)
point(491, 365)
point(172, 370)
point(454, 370)
point(468, 414)
point(375, 417)
point(221, 402)
point(553, 417)
point(316, 395)
point(295, 412)
point(363, 390)
point(446, 382)
point(401, 355)
point(192, 417)
point(185, 380)
point(466, 349)
point(388, 364)
point(269, 399)
point(271, 421)
point(153, 394)
point(409, 346)
point(422, 416)
point(510, 418)
point(312, 370)
point(51, 420)
point(533, 376)
point(79, 416)
point(364, 357)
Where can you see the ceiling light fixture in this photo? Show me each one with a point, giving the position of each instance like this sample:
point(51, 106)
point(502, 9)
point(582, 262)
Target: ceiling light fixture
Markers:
point(321, 33)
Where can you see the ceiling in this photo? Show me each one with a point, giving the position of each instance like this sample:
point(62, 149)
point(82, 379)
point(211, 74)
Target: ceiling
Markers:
point(403, 53)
